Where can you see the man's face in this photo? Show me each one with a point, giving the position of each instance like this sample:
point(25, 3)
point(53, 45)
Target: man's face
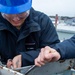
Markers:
point(16, 19)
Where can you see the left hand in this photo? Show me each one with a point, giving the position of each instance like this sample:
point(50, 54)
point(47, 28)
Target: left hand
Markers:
point(16, 62)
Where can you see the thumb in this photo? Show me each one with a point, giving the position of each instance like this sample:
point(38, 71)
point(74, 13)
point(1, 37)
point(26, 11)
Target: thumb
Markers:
point(9, 63)
point(55, 56)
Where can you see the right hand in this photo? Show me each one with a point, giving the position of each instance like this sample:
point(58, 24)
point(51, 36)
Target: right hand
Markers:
point(46, 55)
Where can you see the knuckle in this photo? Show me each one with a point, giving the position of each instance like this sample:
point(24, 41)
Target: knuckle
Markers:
point(42, 60)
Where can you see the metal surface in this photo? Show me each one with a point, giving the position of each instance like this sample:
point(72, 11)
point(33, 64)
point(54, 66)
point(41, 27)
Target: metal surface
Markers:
point(53, 68)
point(30, 69)
point(21, 68)
point(17, 71)
point(6, 71)
point(25, 70)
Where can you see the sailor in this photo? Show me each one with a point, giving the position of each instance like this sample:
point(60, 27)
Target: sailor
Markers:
point(23, 32)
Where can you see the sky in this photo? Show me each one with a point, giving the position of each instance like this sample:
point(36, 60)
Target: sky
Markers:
point(53, 7)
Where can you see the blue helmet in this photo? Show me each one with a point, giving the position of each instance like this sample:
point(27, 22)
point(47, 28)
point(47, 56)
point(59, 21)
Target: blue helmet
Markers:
point(15, 6)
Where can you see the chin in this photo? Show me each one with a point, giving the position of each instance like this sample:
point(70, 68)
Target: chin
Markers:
point(16, 24)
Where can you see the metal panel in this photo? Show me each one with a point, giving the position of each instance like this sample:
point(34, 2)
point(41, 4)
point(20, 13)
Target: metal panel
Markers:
point(53, 68)
point(6, 71)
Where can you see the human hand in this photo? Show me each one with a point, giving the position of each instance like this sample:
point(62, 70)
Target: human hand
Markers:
point(15, 62)
point(9, 63)
point(46, 55)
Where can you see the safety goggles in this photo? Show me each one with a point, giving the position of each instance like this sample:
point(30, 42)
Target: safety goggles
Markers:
point(20, 15)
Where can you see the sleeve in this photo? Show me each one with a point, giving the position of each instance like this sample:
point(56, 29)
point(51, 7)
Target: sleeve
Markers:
point(66, 48)
point(0, 46)
point(48, 37)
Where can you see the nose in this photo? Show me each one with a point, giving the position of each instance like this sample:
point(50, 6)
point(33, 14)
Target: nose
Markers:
point(16, 18)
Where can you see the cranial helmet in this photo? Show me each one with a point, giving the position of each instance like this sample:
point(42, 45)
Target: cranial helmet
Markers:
point(15, 6)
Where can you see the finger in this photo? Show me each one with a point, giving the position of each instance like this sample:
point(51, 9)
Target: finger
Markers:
point(9, 63)
point(47, 52)
point(36, 63)
point(47, 57)
point(19, 64)
point(42, 56)
point(20, 60)
point(39, 59)
point(49, 49)
point(15, 63)
point(55, 56)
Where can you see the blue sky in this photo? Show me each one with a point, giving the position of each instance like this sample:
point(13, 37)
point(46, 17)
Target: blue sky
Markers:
point(52, 7)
